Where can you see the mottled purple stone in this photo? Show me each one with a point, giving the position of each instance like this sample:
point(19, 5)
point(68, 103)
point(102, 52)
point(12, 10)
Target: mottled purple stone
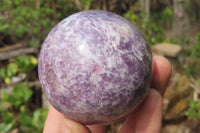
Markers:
point(95, 67)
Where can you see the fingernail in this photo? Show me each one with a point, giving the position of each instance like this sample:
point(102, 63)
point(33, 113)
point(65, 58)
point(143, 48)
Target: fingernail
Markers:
point(155, 93)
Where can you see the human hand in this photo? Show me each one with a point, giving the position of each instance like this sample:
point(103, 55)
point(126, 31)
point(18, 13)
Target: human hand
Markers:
point(147, 118)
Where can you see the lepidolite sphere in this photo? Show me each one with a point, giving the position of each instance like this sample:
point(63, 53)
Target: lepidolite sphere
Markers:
point(95, 67)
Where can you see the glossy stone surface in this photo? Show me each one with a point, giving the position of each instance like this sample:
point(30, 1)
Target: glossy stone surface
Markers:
point(95, 67)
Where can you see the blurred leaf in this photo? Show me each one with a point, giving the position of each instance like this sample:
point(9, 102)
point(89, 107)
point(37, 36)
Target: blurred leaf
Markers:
point(33, 19)
point(167, 12)
point(8, 73)
point(22, 108)
point(4, 105)
point(22, 61)
point(131, 16)
point(7, 80)
point(18, 2)
point(194, 109)
point(2, 73)
point(3, 24)
point(34, 43)
point(26, 123)
point(5, 128)
point(194, 104)
point(35, 123)
point(25, 63)
point(39, 118)
point(24, 119)
point(173, 40)
point(13, 68)
point(20, 94)
point(87, 4)
point(4, 96)
point(8, 117)
point(34, 60)
point(22, 89)
point(21, 64)
point(198, 37)
point(192, 70)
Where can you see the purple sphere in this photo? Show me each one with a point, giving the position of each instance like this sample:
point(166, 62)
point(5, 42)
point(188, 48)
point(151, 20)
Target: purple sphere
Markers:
point(95, 67)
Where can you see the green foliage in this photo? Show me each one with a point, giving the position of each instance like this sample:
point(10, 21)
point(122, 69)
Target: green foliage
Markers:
point(153, 33)
point(25, 19)
point(167, 12)
point(21, 64)
point(32, 20)
point(173, 41)
point(191, 70)
point(131, 16)
point(26, 121)
point(15, 103)
point(194, 54)
point(195, 51)
point(20, 95)
point(198, 37)
point(3, 73)
point(194, 109)
point(188, 41)
point(87, 4)
point(8, 121)
point(26, 63)
point(35, 123)
point(4, 128)
point(64, 8)
point(166, 17)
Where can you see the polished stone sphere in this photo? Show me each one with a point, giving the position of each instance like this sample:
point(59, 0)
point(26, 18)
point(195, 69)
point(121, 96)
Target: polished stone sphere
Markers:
point(95, 67)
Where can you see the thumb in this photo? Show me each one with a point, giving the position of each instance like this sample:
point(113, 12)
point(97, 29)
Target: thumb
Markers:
point(147, 118)
point(57, 123)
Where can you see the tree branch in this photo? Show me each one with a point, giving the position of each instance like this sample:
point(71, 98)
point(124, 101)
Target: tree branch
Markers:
point(14, 53)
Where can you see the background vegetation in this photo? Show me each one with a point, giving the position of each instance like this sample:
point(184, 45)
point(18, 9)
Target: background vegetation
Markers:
point(24, 24)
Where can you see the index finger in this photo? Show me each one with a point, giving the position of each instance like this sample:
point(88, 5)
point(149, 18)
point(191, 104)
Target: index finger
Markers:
point(161, 73)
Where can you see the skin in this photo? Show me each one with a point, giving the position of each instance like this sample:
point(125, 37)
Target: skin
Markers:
point(147, 118)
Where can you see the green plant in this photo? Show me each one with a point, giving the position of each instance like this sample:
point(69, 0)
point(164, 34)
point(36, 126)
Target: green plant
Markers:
point(195, 51)
point(173, 40)
point(25, 63)
point(8, 121)
point(131, 16)
point(193, 68)
point(20, 95)
point(87, 4)
point(33, 123)
point(5, 128)
point(198, 37)
point(191, 71)
point(64, 8)
point(32, 20)
point(153, 33)
point(15, 104)
point(26, 19)
point(21, 64)
point(194, 54)
point(167, 17)
point(194, 109)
